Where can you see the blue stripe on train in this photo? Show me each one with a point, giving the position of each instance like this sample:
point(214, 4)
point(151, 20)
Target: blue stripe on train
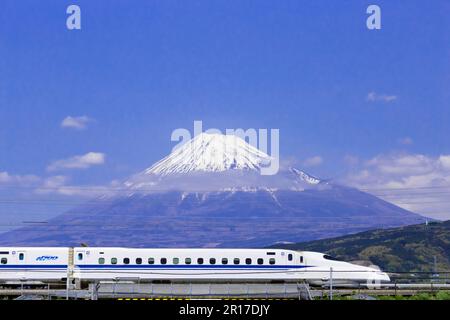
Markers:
point(105, 266)
point(33, 266)
point(137, 266)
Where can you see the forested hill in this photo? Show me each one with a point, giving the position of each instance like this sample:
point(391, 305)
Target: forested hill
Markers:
point(410, 248)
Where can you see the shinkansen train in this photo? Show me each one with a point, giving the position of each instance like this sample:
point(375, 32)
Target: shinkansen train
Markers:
point(87, 264)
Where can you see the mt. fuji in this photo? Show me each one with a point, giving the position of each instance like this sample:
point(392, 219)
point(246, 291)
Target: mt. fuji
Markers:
point(209, 192)
point(211, 153)
point(215, 162)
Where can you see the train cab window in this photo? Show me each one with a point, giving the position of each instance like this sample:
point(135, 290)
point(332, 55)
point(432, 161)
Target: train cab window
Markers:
point(151, 260)
point(200, 260)
point(4, 261)
point(80, 256)
point(236, 261)
point(176, 260)
point(138, 260)
point(212, 261)
point(163, 261)
point(290, 257)
point(101, 260)
point(248, 261)
point(328, 257)
point(301, 259)
point(260, 261)
point(113, 260)
point(21, 256)
point(188, 261)
point(126, 260)
point(272, 261)
point(224, 261)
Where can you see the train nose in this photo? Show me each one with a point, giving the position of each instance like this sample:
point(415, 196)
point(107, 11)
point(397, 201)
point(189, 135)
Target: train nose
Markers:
point(384, 277)
point(377, 276)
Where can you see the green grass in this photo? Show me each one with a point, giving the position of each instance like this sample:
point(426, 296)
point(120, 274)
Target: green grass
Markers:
point(440, 295)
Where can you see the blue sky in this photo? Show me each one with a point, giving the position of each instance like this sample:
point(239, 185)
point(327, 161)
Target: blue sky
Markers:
point(371, 107)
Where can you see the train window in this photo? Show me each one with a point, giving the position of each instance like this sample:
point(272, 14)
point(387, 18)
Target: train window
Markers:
point(4, 261)
point(101, 260)
point(200, 260)
point(301, 259)
point(21, 256)
point(176, 260)
point(224, 261)
point(212, 261)
point(248, 261)
point(126, 260)
point(163, 260)
point(236, 261)
point(327, 257)
point(260, 261)
point(188, 260)
point(290, 256)
point(272, 261)
point(113, 260)
point(80, 256)
point(151, 260)
point(138, 260)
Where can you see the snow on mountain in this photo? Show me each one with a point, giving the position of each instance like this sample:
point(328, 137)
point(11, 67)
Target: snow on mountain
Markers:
point(305, 176)
point(211, 153)
point(217, 162)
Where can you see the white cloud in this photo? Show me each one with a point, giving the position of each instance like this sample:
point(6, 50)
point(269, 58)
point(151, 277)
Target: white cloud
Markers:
point(405, 141)
point(59, 185)
point(313, 161)
point(5, 177)
point(415, 182)
point(373, 96)
point(445, 161)
point(55, 185)
point(78, 162)
point(415, 164)
point(78, 123)
point(54, 182)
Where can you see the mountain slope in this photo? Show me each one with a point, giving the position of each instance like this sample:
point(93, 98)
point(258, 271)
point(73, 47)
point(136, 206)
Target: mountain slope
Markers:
point(409, 248)
point(216, 219)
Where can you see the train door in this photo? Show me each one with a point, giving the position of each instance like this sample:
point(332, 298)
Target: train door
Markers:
point(300, 259)
point(21, 260)
point(290, 258)
point(21, 257)
point(282, 259)
point(80, 256)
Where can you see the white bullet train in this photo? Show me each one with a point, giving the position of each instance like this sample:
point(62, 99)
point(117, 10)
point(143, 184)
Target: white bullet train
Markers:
point(87, 264)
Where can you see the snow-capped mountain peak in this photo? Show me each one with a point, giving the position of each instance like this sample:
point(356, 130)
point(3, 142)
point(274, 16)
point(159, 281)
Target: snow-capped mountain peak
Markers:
point(305, 176)
point(211, 152)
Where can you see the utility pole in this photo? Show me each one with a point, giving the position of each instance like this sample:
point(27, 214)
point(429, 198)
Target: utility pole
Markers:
point(331, 283)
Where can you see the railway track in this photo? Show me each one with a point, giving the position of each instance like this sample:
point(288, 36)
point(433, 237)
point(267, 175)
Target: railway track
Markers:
point(111, 290)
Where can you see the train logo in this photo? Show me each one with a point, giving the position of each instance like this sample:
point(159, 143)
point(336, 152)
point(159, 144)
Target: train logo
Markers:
point(47, 258)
